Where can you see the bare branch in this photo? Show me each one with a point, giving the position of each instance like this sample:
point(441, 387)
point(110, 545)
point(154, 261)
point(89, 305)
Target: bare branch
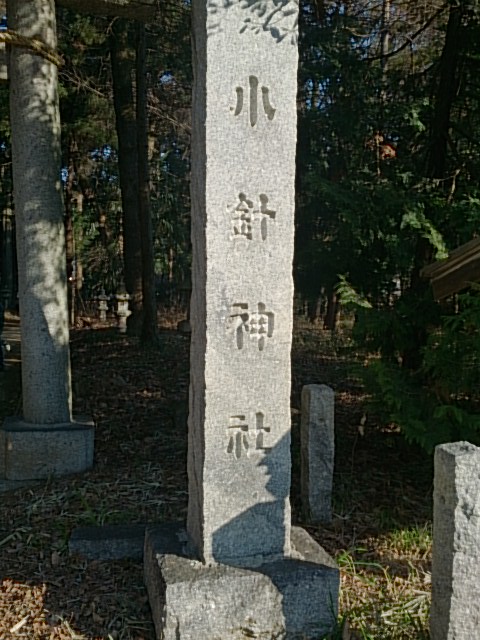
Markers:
point(412, 38)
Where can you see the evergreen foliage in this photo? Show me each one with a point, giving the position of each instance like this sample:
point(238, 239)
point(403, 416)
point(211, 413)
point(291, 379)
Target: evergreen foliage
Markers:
point(440, 402)
point(91, 146)
point(388, 160)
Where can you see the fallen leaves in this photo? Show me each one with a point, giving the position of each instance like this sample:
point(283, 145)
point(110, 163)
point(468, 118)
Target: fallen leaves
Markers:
point(138, 399)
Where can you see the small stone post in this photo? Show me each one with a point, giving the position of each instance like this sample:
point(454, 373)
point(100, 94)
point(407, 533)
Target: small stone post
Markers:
point(122, 311)
point(44, 441)
point(455, 612)
point(317, 435)
point(102, 306)
point(240, 569)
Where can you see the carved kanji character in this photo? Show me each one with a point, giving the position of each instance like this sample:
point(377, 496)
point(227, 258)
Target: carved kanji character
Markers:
point(253, 105)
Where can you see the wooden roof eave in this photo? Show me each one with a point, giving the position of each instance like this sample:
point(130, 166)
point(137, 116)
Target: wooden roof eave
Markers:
point(455, 273)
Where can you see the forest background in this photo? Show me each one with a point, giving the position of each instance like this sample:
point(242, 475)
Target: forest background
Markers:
point(387, 182)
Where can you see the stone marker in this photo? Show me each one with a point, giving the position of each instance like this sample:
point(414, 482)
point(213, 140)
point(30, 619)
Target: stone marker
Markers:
point(37, 453)
point(237, 570)
point(455, 612)
point(317, 437)
point(108, 542)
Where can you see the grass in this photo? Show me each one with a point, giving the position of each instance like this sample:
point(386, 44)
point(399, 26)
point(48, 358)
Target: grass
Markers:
point(381, 533)
point(415, 540)
point(385, 567)
point(379, 603)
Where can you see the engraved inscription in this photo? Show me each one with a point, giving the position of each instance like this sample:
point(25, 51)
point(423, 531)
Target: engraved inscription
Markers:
point(239, 107)
point(238, 442)
point(244, 439)
point(254, 102)
point(260, 432)
point(242, 217)
point(253, 82)
point(265, 215)
point(252, 325)
point(246, 215)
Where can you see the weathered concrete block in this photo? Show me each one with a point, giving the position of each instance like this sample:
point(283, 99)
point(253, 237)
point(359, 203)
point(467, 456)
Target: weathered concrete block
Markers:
point(295, 597)
point(317, 434)
point(108, 542)
point(455, 612)
point(36, 452)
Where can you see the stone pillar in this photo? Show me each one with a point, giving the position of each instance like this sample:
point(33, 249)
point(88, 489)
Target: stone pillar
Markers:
point(38, 443)
point(244, 123)
point(242, 571)
point(38, 203)
point(317, 435)
point(455, 612)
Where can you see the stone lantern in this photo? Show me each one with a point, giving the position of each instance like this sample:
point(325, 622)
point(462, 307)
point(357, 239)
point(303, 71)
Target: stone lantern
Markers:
point(122, 311)
point(102, 305)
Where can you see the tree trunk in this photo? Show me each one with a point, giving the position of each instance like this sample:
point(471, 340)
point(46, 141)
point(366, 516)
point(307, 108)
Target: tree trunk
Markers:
point(446, 92)
point(69, 232)
point(8, 262)
point(35, 122)
point(79, 264)
point(123, 68)
point(333, 311)
point(149, 327)
point(436, 166)
point(315, 307)
point(385, 38)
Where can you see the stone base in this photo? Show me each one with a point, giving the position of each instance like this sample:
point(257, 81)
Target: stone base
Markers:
point(36, 452)
point(15, 485)
point(293, 598)
point(108, 542)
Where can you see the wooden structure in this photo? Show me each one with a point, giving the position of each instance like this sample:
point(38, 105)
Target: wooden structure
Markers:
point(455, 273)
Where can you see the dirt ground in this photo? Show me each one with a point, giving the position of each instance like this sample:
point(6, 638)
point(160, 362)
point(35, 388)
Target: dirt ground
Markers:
point(138, 398)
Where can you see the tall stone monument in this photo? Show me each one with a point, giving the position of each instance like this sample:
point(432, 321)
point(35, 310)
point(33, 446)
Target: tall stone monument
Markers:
point(239, 569)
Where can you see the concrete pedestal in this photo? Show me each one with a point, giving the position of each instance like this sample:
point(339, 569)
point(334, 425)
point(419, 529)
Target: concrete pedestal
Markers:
point(36, 452)
point(292, 598)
